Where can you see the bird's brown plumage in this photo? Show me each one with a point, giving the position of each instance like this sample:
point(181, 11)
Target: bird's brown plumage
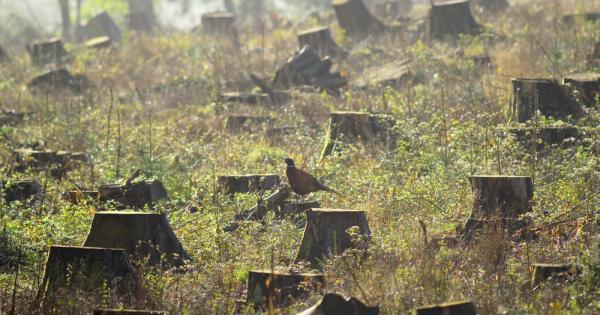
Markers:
point(302, 182)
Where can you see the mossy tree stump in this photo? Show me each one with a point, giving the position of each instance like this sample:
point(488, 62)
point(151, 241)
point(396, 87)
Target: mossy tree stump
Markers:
point(334, 304)
point(498, 200)
point(145, 236)
point(547, 136)
point(355, 18)
point(586, 87)
point(546, 96)
point(220, 24)
point(243, 123)
point(454, 308)
point(88, 269)
point(141, 15)
point(137, 194)
point(51, 51)
point(21, 190)
point(450, 19)
point(557, 272)
point(231, 184)
point(358, 127)
point(271, 289)
point(325, 233)
point(320, 40)
point(127, 312)
point(101, 25)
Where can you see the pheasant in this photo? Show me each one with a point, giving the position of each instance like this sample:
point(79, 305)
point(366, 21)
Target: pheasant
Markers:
point(302, 182)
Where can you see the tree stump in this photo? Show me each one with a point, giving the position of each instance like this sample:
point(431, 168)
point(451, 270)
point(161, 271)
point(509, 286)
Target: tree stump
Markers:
point(220, 24)
point(557, 272)
point(145, 236)
point(320, 40)
point(240, 123)
point(493, 6)
point(270, 289)
point(21, 190)
point(454, 308)
point(586, 87)
point(355, 18)
point(451, 19)
point(127, 312)
point(498, 200)
point(99, 42)
point(101, 25)
point(358, 127)
point(137, 194)
point(553, 99)
point(141, 16)
point(47, 52)
point(547, 136)
point(88, 269)
point(325, 233)
point(334, 304)
point(57, 79)
point(232, 184)
point(395, 74)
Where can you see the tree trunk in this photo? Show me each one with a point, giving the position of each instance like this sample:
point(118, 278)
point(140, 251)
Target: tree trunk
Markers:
point(355, 18)
point(553, 99)
point(451, 19)
point(267, 289)
point(455, 308)
point(65, 12)
point(232, 184)
point(147, 237)
point(334, 304)
point(586, 87)
point(320, 40)
point(141, 15)
point(136, 195)
point(558, 272)
point(325, 233)
point(595, 57)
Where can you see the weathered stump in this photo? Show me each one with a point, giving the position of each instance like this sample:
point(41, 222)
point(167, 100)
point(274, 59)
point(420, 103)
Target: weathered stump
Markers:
point(88, 269)
point(586, 87)
point(101, 25)
point(335, 304)
point(270, 289)
point(493, 5)
point(77, 196)
point(127, 312)
point(231, 184)
point(21, 190)
point(546, 96)
point(325, 233)
point(57, 79)
point(141, 16)
point(498, 200)
point(557, 272)
point(454, 308)
point(358, 127)
point(240, 123)
point(47, 52)
point(395, 74)
point(137, 194)
point(320, 40)
point(220, 24)
point(547, 136)
point(355, 18)
point(147, 237)
point(99, 42)
point(451, 19)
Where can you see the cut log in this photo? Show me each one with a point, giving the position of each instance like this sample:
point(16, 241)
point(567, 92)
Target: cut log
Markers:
point(220, 24)
point(147, 237)
point(127, 312)
point(547, 136)
point(47, 52)
point(101, 25)
point(271, 203)
point(325, 233)
point(358, 127)
point(335, 304)
point(136, 195)
point(239, 123)
point(553, 99)
point(395, 74)
point(556, 272)
point(320, 40)
point(91, 270)
point(141, 16)
point(454, 308)
point(22, 190)
point(586, 87)
point(232, 184)
point(270, 289)
point(448, 20)
point(355, 18)
point(493, 6)
point(57, 79)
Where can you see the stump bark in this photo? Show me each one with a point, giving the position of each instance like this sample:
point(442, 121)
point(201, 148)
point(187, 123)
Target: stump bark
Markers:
point(88, 269)
point(21, 190)
point(127, 312)
point(450, 19)
point(240, 123)
point(355, 18)
point(141, 15)
point(325, 233)
point(321, 41)
point(268, 289)
point(358, 127)
point(220, 24)
point(47, 52)
point(231, 184)
point(558, 272)
point(335, 304)
point(586, 87)
point(147, 237)
point(454, 308)
point(546, 96)
point(101, 25)
point(547, 136)
point(137, 194)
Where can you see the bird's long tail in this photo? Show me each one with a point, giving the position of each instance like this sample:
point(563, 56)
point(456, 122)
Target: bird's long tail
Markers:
point(325, 188)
